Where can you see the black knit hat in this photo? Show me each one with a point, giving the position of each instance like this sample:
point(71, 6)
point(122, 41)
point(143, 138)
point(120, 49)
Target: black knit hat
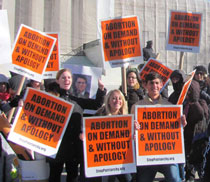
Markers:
point(201, 69)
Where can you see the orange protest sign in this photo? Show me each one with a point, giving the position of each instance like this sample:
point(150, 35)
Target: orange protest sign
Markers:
point(121, 40)
point(160, 133)
point(185, 89)
point(155, 66)
point(108, 142)
point(184, 31)
point(31, 52)
point(41, 121)
point(53, 63)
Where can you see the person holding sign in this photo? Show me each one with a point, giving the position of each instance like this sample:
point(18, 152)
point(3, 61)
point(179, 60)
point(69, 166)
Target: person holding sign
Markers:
point(153, 84)
point(178, 79)
point(135, 91)
point(115, 104)
point(204, 81)
point(4, 88)
point(70, 148)
point(196, 111)
point(70, 151)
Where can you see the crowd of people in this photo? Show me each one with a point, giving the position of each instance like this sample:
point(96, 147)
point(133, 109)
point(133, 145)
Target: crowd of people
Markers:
point(195, 120)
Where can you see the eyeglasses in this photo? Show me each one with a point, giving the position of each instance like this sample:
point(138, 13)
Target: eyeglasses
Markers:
point(131, 77)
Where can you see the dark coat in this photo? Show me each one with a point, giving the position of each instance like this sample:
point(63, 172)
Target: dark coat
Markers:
point(196, 110)
point(205, 89)
point(133, 96)
point(71, 145)
point(173, 98)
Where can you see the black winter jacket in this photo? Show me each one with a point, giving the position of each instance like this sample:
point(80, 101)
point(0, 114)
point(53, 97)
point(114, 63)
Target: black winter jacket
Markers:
point(133, 96)
point(196, 113)
point(71, 145)
point(173, 98)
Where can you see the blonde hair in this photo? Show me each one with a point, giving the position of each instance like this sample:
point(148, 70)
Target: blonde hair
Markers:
point(123, 110)
point(60, 72)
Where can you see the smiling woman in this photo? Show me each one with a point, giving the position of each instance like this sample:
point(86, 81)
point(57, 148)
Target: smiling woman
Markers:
point(115, 104)
point(64, 79)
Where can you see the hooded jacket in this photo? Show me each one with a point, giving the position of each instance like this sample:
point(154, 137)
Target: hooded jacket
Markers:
point(205, 89)
point(173, 98)
point(195, 110)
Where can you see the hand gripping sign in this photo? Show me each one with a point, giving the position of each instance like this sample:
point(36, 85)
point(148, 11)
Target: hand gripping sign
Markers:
point(109, 145)
point(31, 52)
point(160, 137)
point(120, 41)
point(40, 124)
point(184, 32)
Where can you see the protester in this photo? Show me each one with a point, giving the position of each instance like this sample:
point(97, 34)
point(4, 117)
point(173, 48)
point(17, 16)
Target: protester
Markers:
point(115, 104)
point(4, 88)
point(14, 83)
point(4, 91)
point(70, 148)
point(47, 82)
point(204, 81)
point(70, 151)
point(178, 79)
point(153, 84)
point(148, 51)
point(35, 84)
point(135, 91)
point(205, 169)
point(14, 100)
point(196, 111)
